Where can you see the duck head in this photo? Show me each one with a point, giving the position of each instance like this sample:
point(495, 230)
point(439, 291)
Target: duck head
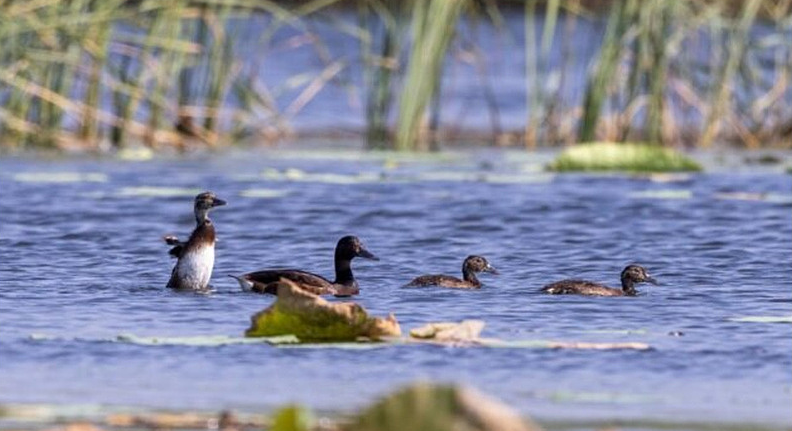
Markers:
point(477, 264)
point(350, 247)
point(203, 203)
point(633, 274)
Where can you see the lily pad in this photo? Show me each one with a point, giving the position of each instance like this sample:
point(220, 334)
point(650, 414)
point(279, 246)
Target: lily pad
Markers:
point(624, 157)
point(311, 318)
point(60, 177)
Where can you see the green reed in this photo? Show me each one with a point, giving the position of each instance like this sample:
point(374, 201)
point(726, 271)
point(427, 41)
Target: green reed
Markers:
point(84, 73)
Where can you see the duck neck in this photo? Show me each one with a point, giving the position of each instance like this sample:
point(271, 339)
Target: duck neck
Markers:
point(343, 269)
point(201, 216)
point(470, 276)
point(628, 287)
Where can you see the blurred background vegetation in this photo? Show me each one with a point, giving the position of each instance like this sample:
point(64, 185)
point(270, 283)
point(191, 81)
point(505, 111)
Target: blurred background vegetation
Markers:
point(400, 74)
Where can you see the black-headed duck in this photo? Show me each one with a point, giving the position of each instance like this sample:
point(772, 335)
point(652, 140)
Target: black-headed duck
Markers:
point(193, 269)
point(348, 248)
point(630, 276)
point(471, 266)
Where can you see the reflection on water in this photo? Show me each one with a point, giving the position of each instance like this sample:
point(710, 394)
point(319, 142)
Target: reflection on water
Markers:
point(83, 263)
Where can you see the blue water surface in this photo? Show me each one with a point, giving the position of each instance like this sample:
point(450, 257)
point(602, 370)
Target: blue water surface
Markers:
point(83, 262)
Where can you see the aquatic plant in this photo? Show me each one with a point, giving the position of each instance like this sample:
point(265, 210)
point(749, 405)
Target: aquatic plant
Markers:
point(439, 408)
point(94, 74)
point(630, 157)
point(311, 318)
point(433, 25)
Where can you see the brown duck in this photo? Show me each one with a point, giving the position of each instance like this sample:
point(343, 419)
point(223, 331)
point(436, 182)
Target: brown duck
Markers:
point(630, 276)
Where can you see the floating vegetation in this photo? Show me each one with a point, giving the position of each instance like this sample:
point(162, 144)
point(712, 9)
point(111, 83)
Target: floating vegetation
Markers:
point(755, 197)
point(135, 154)
point(194, 341)
point(293, 418)
point(439, 408)
point(664, 178)
point(465, 331)
point(663, 194)
point(624, 157)
point(311, 318)
point(159, 192)
point(263, 193)
point(762, 319)
point(599, 397)
point(200, 340)
point(297, 175)
point(573, 345)
point(60, 177)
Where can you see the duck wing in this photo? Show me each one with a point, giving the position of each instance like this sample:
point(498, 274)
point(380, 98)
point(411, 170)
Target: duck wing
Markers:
point(439, 280)
point(308, 281)
point(178, 246)
point(580, 287)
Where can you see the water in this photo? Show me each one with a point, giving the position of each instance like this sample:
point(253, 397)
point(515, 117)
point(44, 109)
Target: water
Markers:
point(83, 262)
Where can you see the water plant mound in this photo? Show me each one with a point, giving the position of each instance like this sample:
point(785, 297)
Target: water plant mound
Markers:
point(622, 157)
point(311, 318)
point(429, 407)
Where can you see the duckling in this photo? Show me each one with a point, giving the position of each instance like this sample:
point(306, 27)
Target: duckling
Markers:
point(470, 267)
point(631, 275)
point(193, 269)
point(348, 248)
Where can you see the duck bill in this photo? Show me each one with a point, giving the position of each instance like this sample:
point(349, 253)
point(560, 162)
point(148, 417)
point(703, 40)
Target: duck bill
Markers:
point(218, 202)
point(652, 281)
point(367, 254)
point(491, 270)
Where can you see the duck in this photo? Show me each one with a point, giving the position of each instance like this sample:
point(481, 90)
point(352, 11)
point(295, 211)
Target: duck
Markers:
point(348, 248)
point(195, 257)
point(471, 266)
point(630, 276)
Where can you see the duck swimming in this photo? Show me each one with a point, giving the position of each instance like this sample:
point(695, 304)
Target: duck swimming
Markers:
point(630, 276)
point(348, 248)
point(471, 266)
point(193, 269)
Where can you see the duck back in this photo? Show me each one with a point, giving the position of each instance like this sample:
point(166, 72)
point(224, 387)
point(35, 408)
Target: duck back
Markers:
point(580, 287)
point(261, 281)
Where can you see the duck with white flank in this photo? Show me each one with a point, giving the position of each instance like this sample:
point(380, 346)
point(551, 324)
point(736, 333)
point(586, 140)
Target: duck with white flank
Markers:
point(193, 269)
point(630, 276)
point(348, 248)
point(471, 266)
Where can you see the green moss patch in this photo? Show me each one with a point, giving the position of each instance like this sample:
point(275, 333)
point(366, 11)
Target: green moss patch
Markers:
point(622, 157)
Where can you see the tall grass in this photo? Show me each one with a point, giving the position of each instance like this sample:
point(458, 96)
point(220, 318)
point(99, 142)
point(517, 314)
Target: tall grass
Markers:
point(107, 73)
point(433, 25)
